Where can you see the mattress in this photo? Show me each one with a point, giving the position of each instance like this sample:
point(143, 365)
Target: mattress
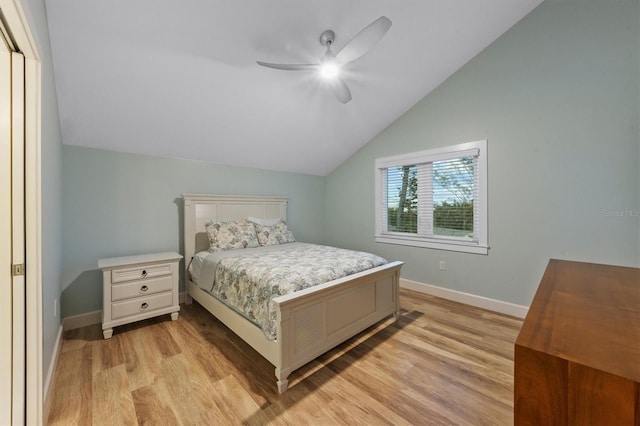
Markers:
point(248, 279)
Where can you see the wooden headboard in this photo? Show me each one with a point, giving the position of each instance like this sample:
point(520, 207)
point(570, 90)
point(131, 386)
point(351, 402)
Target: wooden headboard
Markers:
point(200, 209)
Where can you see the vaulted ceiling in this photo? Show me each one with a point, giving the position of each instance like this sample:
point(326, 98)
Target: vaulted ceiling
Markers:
point(178, 78)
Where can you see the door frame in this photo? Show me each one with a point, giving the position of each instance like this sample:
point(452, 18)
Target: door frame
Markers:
point(17, 22)
point(7, 367)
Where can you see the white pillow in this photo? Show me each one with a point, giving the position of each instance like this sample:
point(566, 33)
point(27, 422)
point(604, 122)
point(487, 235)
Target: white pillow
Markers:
point(265, 222)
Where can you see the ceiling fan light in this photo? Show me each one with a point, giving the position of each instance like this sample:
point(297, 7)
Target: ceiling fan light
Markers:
point(329, 70)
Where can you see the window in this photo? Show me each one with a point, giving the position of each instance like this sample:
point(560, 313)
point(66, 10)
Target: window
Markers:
point(435, 198)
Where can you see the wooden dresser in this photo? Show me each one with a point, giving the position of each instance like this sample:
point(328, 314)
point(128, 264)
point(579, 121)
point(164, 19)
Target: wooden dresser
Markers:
point(577, 357)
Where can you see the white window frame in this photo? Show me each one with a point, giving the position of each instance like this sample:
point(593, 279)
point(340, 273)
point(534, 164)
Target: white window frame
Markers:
point(422, 239)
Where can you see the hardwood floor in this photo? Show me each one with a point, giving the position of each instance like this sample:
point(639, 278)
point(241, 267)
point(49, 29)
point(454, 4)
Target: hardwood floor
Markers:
point(441, 363)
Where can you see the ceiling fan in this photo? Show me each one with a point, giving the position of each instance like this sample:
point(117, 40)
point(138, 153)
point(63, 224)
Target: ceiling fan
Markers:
point(331, 64)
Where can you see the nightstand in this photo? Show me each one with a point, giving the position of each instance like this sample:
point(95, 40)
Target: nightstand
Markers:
point(139, 287)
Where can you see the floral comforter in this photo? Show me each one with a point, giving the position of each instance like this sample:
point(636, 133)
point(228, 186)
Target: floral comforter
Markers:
point(248, 279)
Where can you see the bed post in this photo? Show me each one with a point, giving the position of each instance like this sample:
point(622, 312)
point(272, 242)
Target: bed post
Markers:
point(283, 366)
point(283, 383)
point(396, 294)
point(189, 242)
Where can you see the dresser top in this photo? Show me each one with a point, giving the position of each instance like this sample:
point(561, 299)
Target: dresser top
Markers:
point(116, 262)
point(589, 314)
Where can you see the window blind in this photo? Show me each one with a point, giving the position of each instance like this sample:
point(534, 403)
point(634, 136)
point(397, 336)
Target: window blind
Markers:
point(434, 198)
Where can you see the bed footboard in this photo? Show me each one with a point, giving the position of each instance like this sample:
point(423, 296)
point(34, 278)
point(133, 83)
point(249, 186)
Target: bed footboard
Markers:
point(315, 320)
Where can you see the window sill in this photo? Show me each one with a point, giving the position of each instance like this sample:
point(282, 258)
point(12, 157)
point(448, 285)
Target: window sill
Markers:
point(459, 246)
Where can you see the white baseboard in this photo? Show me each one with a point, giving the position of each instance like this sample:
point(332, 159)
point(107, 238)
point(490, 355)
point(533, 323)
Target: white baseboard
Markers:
point(95, 317)
point(494, 305)
point(52, 368)
point(82, 320)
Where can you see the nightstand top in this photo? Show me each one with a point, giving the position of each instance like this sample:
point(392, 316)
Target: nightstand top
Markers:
point(115, 262)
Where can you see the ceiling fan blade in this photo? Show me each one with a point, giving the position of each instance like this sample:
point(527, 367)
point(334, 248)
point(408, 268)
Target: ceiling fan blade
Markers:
point(364, 40)
point(341, 90)
point(289, 67)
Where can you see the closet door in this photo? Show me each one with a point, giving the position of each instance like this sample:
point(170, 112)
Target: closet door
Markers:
point(18, 239)
point(12, 236)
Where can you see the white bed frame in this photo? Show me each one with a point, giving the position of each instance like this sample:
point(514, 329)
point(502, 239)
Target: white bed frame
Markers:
point(310, 321)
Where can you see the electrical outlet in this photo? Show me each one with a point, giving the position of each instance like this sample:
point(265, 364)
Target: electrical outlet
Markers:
point(443, 265)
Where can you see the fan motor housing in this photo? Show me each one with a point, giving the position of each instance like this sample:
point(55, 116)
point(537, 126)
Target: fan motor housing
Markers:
point(327, 37)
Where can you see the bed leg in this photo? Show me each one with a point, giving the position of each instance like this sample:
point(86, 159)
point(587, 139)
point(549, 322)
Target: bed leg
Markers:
point(283, 383)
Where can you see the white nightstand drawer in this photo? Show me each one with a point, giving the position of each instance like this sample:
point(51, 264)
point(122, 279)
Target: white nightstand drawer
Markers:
point(141, 305)
point(139, 272)
point(141, 288)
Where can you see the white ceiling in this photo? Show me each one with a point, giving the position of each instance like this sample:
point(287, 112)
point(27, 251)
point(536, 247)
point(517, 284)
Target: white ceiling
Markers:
point(178, 78)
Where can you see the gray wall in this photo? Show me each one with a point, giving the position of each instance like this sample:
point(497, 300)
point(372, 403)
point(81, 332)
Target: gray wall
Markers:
point(51, 183)
point(557, 98)
point(118, 204)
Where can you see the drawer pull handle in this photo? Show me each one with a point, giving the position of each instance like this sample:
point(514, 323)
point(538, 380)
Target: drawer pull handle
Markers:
point(144, 288)
point(144, 272)
point(144, 306)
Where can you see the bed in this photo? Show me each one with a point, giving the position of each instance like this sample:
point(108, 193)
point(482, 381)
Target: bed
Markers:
point(308, 322)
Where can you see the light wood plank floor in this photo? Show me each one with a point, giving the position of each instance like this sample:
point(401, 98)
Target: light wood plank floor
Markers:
point(441, 363)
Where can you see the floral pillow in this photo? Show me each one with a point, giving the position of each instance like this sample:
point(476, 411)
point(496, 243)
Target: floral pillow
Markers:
point(273, 234)
point(231, 235)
